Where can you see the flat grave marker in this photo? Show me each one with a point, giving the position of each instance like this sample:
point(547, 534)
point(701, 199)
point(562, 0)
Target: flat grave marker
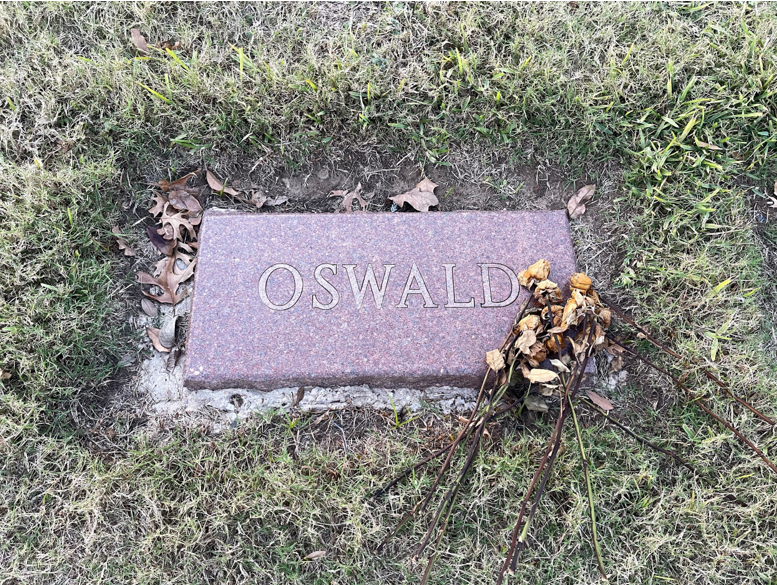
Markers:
point(387, 299)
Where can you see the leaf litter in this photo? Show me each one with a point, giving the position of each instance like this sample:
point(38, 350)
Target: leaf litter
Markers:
point(576, 205)
point(543, 359)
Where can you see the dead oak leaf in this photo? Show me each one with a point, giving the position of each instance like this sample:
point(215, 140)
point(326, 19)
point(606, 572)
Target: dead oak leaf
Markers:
point(178, 183)
point(160, 202)
point(166, 247)
point(218, 186)
point(168, 281)
point(599, 400)
point(139, 40)
point(176, 223)
point(185, 200)
point(421, 198)
point(349, 196)
point(153, 335)
point(576, 205)
point(123, 245)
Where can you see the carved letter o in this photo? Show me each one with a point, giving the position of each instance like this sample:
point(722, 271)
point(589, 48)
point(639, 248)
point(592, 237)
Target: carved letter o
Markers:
point(297, 287)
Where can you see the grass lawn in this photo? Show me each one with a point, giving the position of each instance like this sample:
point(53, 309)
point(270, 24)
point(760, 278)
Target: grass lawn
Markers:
point(672, 106)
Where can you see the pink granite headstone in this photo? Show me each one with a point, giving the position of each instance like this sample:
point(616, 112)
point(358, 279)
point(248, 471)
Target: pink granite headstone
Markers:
point(386, 299)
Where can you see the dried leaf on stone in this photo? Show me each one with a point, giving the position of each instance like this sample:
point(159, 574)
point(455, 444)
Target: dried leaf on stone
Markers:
point(123, 245)
point(348, 197)
point(525, 341)
point(540, 270)
point(149, 307)
point(599, 401)
point(538, 375)
point(167, 247)
point(495, 360)
point(139, 40)
point(217, 185)
point(576, 205)
point(179, 183)
point(421, 198)
point(316, 554)
point(153, 335)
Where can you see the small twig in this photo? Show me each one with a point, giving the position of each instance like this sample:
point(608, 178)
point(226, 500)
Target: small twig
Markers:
point(699, 401)
point(589, 489)
point(706, 372)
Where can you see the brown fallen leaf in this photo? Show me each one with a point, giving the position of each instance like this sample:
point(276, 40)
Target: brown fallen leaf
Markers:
point(179, 183)
point(160, 202)
point(525, 341)
point(5, 375)
point(218, 186)
point(173, 46)
point(316, 554)
point(139, 40)
point(153, 335)
point(275, 202)
point(538, 375)
point(173, 226)
point(185, 200)
point(495, 360)
point(599, 401)
point(167, 331)
point(167, 247)
point(149, 307)
point(348, 197)
point(168, 281)
point(123, 245)
point(421, 198)
point(576, 205)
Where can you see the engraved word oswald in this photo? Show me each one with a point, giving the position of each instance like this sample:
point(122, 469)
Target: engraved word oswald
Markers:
point(326, 296)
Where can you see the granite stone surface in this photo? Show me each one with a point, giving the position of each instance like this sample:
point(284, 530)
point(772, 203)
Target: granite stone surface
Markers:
point(391, 300)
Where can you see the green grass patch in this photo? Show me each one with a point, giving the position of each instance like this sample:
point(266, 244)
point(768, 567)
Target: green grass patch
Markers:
point(681, 97)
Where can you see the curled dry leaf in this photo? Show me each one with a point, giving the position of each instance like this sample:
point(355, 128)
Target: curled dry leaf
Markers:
point(167, 331)
point(348, 197)
point(173, 225)
point(495, 360)
point(525, 341)
point(160, 202)
point(123, 245)
point(153, 335)
point(580, 281)
point(184, 200)
point(421, 198)
point(599, 400)
point(538, 271)
point(538, 375)
point(167, 247)
point(139, 40)
point(217, 185)
point(316, 554)
point(560, 366)
point(168, 281)
point(576, 205)
point(179, 183)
